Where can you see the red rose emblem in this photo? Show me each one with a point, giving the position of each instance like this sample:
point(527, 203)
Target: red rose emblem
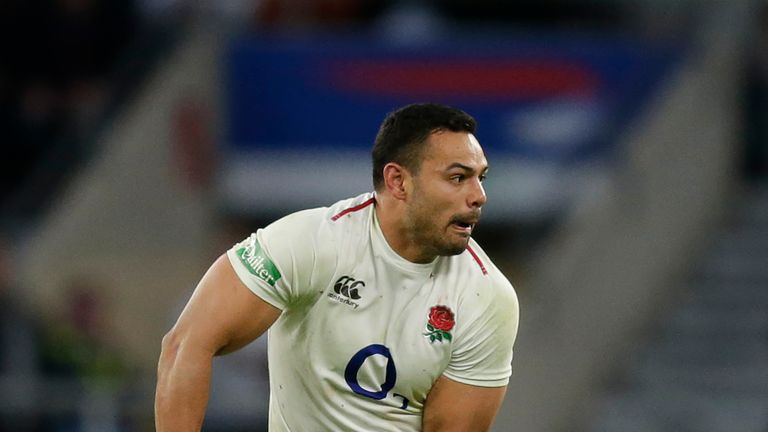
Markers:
point(441, 318)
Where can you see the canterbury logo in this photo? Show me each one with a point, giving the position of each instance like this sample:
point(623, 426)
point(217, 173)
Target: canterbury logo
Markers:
point(347, 287)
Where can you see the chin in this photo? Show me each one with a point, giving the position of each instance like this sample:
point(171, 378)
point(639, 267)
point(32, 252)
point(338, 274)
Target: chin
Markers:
point(454, 249)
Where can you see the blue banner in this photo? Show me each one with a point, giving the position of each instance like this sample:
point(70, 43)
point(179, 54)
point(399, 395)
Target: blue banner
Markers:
point(556, 98)
point(548, 110)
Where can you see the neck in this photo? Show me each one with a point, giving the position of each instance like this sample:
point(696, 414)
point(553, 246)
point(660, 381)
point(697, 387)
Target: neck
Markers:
point(397, 233)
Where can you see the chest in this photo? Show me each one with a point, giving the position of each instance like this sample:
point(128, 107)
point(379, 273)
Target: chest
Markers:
point(384, 333)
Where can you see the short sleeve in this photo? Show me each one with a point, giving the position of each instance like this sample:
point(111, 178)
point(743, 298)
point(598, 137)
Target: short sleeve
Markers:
point(482, 354)
point(280, 263)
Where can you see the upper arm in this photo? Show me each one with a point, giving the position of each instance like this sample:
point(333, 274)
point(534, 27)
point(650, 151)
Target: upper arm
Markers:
point(223, 315)
point(244, 291)
point(455, 407)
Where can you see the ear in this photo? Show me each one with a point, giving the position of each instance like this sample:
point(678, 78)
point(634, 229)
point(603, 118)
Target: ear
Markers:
point(396, 180)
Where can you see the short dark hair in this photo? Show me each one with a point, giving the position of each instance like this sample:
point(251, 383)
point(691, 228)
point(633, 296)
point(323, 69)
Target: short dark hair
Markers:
point(404, 132)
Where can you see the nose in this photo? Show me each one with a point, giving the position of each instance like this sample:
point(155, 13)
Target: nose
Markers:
point(476, 197)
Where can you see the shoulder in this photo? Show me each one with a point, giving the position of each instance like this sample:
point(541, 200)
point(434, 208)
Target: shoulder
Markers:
point(284, 261)
point(297, 224)
point(489, 286)
point(353, 209)
point(316, 233)
point(316, 220)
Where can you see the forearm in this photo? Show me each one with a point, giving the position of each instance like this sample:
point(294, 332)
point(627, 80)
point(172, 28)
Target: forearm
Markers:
point(183, 381)
point(464, 422)
point(221, 316)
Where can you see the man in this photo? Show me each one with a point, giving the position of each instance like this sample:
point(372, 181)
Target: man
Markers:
point(383, 313)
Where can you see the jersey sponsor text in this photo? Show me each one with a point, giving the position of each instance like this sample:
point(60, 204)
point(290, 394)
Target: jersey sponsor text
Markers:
point(257, 263)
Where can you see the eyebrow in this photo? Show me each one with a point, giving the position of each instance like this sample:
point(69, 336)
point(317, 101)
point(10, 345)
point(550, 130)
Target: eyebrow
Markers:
point(465, 167)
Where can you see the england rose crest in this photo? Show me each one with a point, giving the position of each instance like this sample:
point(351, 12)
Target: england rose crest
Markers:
point(439, 324)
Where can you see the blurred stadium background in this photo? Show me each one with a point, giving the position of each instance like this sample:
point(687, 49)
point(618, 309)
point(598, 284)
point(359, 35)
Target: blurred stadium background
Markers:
point(628, 196)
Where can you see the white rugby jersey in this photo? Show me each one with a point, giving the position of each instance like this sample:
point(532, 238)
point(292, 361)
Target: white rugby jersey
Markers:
point(365, 333)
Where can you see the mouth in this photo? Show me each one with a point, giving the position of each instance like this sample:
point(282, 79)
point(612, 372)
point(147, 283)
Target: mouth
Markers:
point(464, 229)
point(464, 225)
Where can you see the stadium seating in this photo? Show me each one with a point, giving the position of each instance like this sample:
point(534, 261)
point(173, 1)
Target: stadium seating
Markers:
point(706, 370)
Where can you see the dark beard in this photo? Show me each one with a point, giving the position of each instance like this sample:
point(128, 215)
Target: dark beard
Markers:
point(452, 249)
point(434, 242)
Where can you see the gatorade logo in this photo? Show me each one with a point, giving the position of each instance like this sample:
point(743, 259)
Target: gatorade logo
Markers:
point(254, 259)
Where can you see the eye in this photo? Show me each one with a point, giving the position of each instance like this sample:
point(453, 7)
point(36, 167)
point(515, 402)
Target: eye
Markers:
point(482, 177)
point(457, 178)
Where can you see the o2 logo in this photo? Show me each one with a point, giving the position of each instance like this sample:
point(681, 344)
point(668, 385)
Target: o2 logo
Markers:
point(356, 362)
